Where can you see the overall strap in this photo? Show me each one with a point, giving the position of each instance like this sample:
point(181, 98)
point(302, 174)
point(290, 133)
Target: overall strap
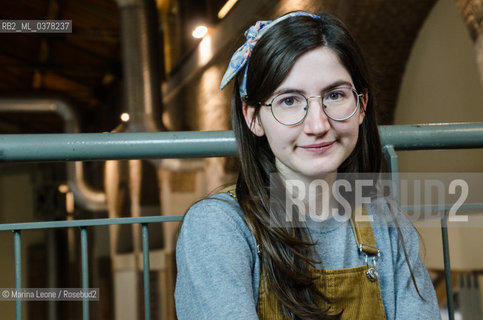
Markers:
point(363, 234)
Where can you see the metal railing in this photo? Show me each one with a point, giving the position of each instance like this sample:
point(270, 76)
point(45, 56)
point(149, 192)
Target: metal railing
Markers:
point(83, 224)
point(112, 146)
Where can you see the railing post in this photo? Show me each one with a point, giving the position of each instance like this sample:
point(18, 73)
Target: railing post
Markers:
point(392, 164)
point(447, 266)
point(18, 272)
point(147, 302)
point(85, 272)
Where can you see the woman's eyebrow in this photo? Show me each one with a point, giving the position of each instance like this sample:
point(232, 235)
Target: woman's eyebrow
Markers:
point(337, 84)
point(331, 86)
point(287, 90)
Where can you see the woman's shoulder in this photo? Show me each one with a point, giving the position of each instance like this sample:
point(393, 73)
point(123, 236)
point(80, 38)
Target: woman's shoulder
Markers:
point(387, 212)
point(218, 206)
point(388, 219)
point(219, 212)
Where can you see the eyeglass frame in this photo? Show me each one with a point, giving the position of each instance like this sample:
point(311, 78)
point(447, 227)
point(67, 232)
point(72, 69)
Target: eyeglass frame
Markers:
point(357, 95)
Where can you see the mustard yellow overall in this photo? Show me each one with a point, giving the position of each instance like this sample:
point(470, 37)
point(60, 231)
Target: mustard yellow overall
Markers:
point(352, 291)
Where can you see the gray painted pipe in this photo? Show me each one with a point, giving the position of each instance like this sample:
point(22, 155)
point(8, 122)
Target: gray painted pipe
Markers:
point(433, 136)
point(116, 146)
point(197, 144)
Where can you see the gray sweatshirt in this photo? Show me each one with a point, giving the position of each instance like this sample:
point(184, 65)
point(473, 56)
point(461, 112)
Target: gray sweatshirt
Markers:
point(219, 267)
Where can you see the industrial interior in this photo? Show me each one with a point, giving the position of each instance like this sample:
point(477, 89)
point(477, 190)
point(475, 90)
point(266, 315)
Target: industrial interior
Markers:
point(139, 66)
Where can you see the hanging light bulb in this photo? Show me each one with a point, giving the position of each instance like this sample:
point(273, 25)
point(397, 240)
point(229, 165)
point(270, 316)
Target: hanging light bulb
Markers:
point(125, 117)
point(200, 32)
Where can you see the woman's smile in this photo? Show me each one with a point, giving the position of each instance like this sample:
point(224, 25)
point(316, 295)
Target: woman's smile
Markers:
point(317, 148)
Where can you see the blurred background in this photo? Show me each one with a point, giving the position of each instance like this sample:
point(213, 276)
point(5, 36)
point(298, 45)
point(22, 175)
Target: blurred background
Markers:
point(139, 65)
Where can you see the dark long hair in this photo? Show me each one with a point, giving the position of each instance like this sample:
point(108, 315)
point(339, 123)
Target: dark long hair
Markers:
point(287, 252)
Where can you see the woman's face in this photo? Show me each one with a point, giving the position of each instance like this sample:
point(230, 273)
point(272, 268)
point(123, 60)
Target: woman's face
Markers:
point(317, 146)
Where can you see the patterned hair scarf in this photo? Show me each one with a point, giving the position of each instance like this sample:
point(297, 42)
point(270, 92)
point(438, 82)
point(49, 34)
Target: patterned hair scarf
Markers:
point(241, 57)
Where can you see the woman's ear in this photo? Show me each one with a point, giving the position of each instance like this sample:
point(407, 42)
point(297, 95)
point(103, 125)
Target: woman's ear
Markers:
point(363, 100)
point(252, 120)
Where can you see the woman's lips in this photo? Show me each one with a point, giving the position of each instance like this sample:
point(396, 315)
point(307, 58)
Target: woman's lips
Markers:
point(318, 147)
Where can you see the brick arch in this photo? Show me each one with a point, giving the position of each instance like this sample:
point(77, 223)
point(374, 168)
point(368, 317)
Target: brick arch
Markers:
point(386, 31)
point(472, 12)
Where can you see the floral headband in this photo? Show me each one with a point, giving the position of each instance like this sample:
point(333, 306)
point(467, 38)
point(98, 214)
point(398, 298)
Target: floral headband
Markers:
point(241, 57)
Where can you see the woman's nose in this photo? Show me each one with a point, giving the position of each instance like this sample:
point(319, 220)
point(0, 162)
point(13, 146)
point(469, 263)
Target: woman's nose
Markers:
point(316, 122)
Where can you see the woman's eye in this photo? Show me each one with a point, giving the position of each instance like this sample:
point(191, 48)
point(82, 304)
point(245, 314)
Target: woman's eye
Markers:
point(335, 95)
point(288, 101)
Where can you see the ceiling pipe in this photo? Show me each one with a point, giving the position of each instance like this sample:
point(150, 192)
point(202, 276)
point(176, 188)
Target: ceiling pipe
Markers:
point(85, 196)
point(141, 67)
point(141, 70)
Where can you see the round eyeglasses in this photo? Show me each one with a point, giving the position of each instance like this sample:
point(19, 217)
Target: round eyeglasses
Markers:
point(291, 108)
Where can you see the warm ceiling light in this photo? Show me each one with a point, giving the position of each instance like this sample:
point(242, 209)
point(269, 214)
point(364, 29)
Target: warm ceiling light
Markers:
point(63, 188)
point(226, 8)
point(200, 32)
point(125, 117)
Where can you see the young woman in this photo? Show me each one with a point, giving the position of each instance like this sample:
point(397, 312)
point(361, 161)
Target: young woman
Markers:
point(303, 113)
